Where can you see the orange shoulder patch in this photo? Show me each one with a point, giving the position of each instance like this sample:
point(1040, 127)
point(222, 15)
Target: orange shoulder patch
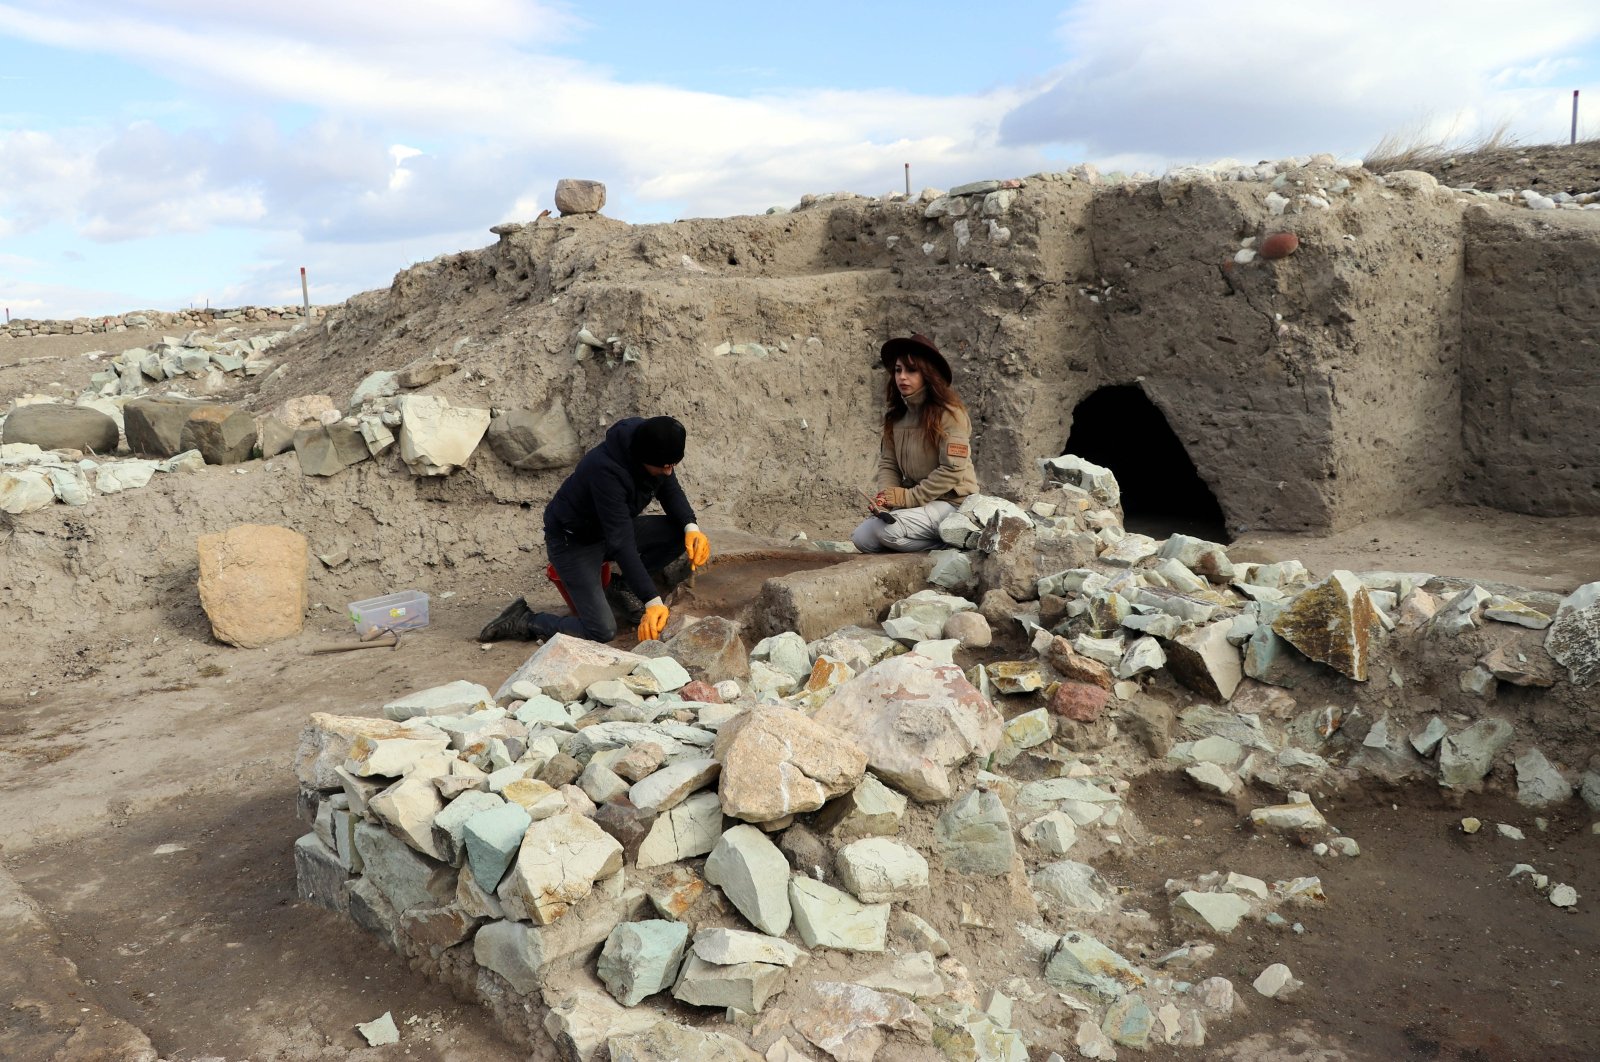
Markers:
point(958, 450)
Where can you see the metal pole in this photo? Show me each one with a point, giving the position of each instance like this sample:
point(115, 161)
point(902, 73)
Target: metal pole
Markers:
point(1574, 116)
point(908, 180)
point(305, 295)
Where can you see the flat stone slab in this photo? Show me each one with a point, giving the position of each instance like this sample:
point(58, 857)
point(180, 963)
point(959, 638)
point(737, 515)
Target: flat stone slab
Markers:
point(453, 698)
point(642, 958)
point(871, 809)
point(1573, 638)
point(754, 876)
point(688, 830)
point(1220, 912)
point(729, 947)
point(564, 667)
point(852, 1022)
point(828, 918)
point(670, 1042)
point(916, 720)
point(557, 865)
point(882, 870)
point(523, 953)
point(1080, 961)
point(671, 785)
point(973, 836)
point(1332, 623)
point(744, 986)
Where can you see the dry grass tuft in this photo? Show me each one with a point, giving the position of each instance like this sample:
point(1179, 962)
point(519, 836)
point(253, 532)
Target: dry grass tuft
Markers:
point(1414, 149)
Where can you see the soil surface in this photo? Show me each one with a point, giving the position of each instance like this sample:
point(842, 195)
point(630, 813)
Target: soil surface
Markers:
point(1425, 949)
point(1546, 168)
point(1462, 541)
point(174, 893)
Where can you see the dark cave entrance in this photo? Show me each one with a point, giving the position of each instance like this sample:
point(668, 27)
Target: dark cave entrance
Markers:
point(1162, 493)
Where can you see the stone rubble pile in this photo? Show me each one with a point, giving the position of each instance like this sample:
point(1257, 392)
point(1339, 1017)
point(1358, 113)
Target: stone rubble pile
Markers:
point(31, 479)
point(73, 447)
point(1559, 894)
point(52, 451)
point(706, 821)
point(197, 357)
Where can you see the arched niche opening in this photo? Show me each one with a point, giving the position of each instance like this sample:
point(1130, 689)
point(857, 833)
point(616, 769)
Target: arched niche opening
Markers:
point(1162, 493)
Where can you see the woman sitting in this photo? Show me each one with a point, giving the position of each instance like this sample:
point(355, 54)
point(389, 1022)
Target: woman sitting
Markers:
point(925, 458)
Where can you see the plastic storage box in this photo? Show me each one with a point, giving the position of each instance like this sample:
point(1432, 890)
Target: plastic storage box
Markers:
point(404, 611)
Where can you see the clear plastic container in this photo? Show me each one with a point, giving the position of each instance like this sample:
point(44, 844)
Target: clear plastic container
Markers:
point(404, 611)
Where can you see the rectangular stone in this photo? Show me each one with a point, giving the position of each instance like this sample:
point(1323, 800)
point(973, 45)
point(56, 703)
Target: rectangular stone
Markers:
point(319, 875)
point(817, 602)
point(523, 954)
point(405, 878)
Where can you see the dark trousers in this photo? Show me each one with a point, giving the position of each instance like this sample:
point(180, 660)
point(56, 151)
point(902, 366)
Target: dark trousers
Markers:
point(660, 542)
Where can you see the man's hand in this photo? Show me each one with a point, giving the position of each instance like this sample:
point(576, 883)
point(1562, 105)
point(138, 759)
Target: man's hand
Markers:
point(698, 546)
point(893, 498)
point(654, 622)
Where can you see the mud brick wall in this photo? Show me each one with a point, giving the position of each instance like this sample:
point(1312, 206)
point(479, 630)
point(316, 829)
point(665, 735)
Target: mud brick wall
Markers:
point(1398, 358)
point(1198, 335)
point(1311, 392)
point(1386, 310)
point(1531, 366)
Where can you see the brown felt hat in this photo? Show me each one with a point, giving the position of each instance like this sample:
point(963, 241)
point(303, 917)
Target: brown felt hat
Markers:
point(917, 344)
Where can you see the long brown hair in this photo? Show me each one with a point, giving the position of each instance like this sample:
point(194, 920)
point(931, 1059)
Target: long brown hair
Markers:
point(939, 398)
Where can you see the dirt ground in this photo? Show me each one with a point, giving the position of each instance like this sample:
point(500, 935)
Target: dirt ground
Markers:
point(1546, 168)
point(174, 892)
point(148, 806)
point(1425, 949)
point(1466, 541)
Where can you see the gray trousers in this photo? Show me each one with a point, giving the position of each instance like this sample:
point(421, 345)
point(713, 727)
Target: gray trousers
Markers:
point(913, 530)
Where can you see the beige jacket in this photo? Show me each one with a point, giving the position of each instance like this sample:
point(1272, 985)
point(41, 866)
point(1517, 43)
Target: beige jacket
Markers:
point(913, 473)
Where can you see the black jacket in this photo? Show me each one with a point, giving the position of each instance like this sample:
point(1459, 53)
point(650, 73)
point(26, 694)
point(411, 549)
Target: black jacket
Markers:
point(598, 502)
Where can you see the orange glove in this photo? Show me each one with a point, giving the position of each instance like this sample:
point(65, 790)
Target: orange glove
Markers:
point(698, 546)
point(654, 622)
point(895, 498)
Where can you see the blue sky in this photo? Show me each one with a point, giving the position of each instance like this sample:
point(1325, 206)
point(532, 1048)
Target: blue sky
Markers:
point(165, 153)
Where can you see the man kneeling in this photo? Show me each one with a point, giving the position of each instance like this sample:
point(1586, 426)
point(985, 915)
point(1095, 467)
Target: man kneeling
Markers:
point(594, 518)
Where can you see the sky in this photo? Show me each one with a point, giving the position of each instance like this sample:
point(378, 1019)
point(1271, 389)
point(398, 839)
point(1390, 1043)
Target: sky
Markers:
point(159, 154)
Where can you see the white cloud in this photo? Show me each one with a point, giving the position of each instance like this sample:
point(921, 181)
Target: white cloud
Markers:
point(28, 298)
point(1257, 77)
point(430, 122)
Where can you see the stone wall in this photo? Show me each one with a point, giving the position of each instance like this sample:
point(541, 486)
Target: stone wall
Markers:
point(22, 327)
